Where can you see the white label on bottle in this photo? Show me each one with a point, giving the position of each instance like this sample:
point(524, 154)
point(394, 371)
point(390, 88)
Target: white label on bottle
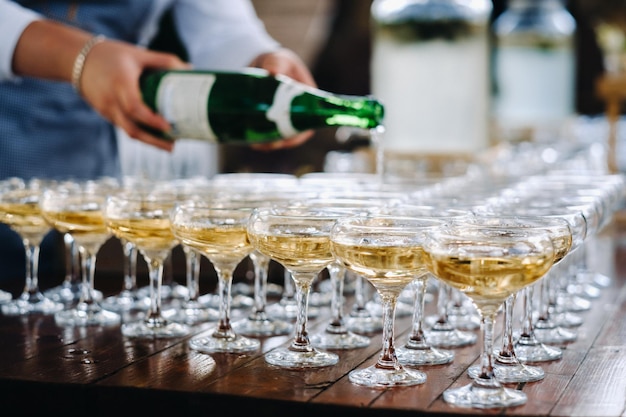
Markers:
point(280, 111)
point(183, 101)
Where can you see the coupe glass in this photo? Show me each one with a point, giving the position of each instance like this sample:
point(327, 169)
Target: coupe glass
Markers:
point(19, 209)
point(388, 252)
point(78, 210)
point(299, 239)
point(143, 218)
point(418, 350)
point(489, 266)
point(507, 366)
point(336, 334)
point(219, 233)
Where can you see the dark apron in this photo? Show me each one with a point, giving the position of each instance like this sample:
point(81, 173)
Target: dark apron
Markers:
point(48, 130)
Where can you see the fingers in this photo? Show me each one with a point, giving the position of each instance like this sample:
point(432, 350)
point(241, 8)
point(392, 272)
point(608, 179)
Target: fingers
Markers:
point(288, 143)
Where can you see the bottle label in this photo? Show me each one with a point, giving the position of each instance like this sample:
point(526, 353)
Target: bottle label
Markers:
point(280, 111)
point(183, 101)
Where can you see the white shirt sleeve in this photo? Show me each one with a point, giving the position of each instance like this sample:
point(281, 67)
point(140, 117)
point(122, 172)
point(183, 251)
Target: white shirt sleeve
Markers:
point(13, 21)
point(221, 34)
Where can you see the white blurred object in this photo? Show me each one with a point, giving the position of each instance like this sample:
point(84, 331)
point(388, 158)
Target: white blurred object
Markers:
point(189, 159)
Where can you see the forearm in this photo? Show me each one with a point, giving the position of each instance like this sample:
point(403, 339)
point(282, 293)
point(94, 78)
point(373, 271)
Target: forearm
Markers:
point(47, 49)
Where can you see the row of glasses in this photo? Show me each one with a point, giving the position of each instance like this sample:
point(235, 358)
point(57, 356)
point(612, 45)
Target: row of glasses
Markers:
point(20, 210)
point(142, 216)
point(77, 208)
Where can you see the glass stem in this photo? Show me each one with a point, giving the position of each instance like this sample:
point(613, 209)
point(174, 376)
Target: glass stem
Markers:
point(260, 263)
point(70, 259)
point(417, 339)
point(225, 283)
point(155, 270)
point(387, 358)
point(301, 342)
point(443, 296)
point(336, 274)
point(507, 354)
point(31, 286)
point(360, 297)
point(89, 273)
point(543, 320)
point(192, 264)
point(486, 358)
point(130, 266)
point(288, 289)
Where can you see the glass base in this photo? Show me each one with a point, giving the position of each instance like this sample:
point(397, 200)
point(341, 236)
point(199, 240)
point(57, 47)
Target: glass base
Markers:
point(209, 343)
point(423, 355)
point(31, 304)
point(169, 292)
point(237, 301)
point(450, 338)
point(69, 292)
point(154, 328)
point(566, 319)
point(192, 313)
point(477, 396)
point(364, 324)
point(293, 359)
point(573, 302)
point(585, 290)
point(126, 301)
point(343, 340)
point(289, 311)
point(377, 377)
point(253, 327)
point(83, 315)
point(554, 335)
point(594, 278)
point(513, 373)
point(5, 297)
point(531, 350)
point(320, 299)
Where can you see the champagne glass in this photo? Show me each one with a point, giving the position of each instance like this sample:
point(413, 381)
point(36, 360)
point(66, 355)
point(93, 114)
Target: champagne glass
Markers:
point(388, 252)
point(144, 218)
point(299, 239)
point(417, 350)
point(489, 266)
point(336, 334)
point(78, 210)
point(218, 231)
point(507, 367)
point(19, 209)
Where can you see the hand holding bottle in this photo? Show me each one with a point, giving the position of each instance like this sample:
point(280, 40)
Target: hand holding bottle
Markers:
point(110, 83)
point(286, 62)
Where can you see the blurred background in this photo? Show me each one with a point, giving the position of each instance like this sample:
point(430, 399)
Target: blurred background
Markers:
point(334, 37)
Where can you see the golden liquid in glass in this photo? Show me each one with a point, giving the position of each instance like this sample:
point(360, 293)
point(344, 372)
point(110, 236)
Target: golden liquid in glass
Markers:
point(148, 234)
point(300, 253)
point(87, 227)
point(388, 268)
point(25, 219)
point(488, 281)
point(219, 243)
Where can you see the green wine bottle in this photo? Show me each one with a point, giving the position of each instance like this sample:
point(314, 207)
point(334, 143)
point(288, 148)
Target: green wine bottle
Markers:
point(249, 106)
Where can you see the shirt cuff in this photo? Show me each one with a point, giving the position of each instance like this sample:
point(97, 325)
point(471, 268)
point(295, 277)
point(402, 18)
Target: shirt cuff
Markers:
point(13, 21)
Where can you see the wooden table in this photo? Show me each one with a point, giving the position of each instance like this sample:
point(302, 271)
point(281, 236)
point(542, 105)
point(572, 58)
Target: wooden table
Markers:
point(94, 371)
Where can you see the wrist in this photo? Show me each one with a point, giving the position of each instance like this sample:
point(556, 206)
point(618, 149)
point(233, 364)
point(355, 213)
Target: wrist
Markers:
point(79, 61)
